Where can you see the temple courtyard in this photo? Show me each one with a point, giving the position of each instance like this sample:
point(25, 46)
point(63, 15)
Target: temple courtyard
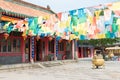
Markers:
point(81, 70)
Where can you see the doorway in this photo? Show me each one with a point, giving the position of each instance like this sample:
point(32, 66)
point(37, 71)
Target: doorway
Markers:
point(27, 50)
point(38, 50)
point(85, 54)
point(79, 53)
point(43, 50)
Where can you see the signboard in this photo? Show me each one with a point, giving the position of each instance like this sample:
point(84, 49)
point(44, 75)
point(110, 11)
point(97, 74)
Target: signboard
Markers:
point(56, 47)
point(32, 47)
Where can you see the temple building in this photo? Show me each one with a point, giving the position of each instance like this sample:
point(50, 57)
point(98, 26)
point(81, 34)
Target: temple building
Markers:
point(16, 48)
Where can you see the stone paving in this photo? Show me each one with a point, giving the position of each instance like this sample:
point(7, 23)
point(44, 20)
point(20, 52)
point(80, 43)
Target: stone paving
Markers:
point(81, 70)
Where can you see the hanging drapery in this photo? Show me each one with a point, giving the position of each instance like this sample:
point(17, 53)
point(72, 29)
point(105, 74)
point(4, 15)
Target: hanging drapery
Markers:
point(83, 23)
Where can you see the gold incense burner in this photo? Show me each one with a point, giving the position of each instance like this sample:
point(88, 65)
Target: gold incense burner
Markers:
point(98, 61)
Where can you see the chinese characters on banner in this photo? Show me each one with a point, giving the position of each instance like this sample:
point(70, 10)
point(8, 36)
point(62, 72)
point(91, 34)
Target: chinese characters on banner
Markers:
point(32, 47)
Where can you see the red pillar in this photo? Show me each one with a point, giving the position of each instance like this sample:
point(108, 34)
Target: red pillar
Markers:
point(55, 57)
point(46, 46)
point(73, 49)
point(23, 50)
point(81, 52)
point(92, 52)
point(35, 49)
point(78, 53)
point(30, 50)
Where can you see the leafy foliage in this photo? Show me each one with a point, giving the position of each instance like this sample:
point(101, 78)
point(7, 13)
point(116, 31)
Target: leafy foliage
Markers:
point(100, 42)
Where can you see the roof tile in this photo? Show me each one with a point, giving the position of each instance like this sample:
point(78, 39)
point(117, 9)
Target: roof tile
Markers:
point(5, 5)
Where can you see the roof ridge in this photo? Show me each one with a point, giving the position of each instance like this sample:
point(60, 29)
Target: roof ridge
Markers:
point(14, 9)
point(30, 5)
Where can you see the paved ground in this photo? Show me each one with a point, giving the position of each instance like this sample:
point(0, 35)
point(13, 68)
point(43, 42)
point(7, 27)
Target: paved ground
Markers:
point(72, 71)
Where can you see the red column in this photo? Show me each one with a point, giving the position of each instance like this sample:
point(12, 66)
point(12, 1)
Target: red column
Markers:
point(81, 52)
point(55, 58)
point(23, 50)
point(30, 50)
point(34, 49)
point(46, 46)
point(78, 53)
point(92, 52)
point(73, 49)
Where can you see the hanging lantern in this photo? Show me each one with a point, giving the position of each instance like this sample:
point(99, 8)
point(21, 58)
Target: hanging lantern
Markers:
point(6, 35)
point(24, 36)
point(69, 41)
point(38, 37)
point(60, 40)
point(30, 33)
point(50, 38)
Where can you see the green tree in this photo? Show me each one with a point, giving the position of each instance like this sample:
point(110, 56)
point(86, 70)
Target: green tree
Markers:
point(100, 42)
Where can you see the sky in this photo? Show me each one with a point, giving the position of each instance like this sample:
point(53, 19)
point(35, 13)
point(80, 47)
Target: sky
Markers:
point(67, 5)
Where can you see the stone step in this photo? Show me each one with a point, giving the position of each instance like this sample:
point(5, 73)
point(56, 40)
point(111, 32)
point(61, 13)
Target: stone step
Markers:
point(35, 65)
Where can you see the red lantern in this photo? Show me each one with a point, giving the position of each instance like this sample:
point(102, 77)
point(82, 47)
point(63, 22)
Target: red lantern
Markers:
point(30, 33)
point(6, 35)
point(60, 40)
point(69, 41)
point(24, 36)
point(50, 38)
point(38, 37)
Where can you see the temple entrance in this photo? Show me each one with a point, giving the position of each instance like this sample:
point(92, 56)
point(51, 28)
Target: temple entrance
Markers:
point(43, 50)
point(27, 50)
point(85, 52)
point(79, 53)
point(38, 50)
